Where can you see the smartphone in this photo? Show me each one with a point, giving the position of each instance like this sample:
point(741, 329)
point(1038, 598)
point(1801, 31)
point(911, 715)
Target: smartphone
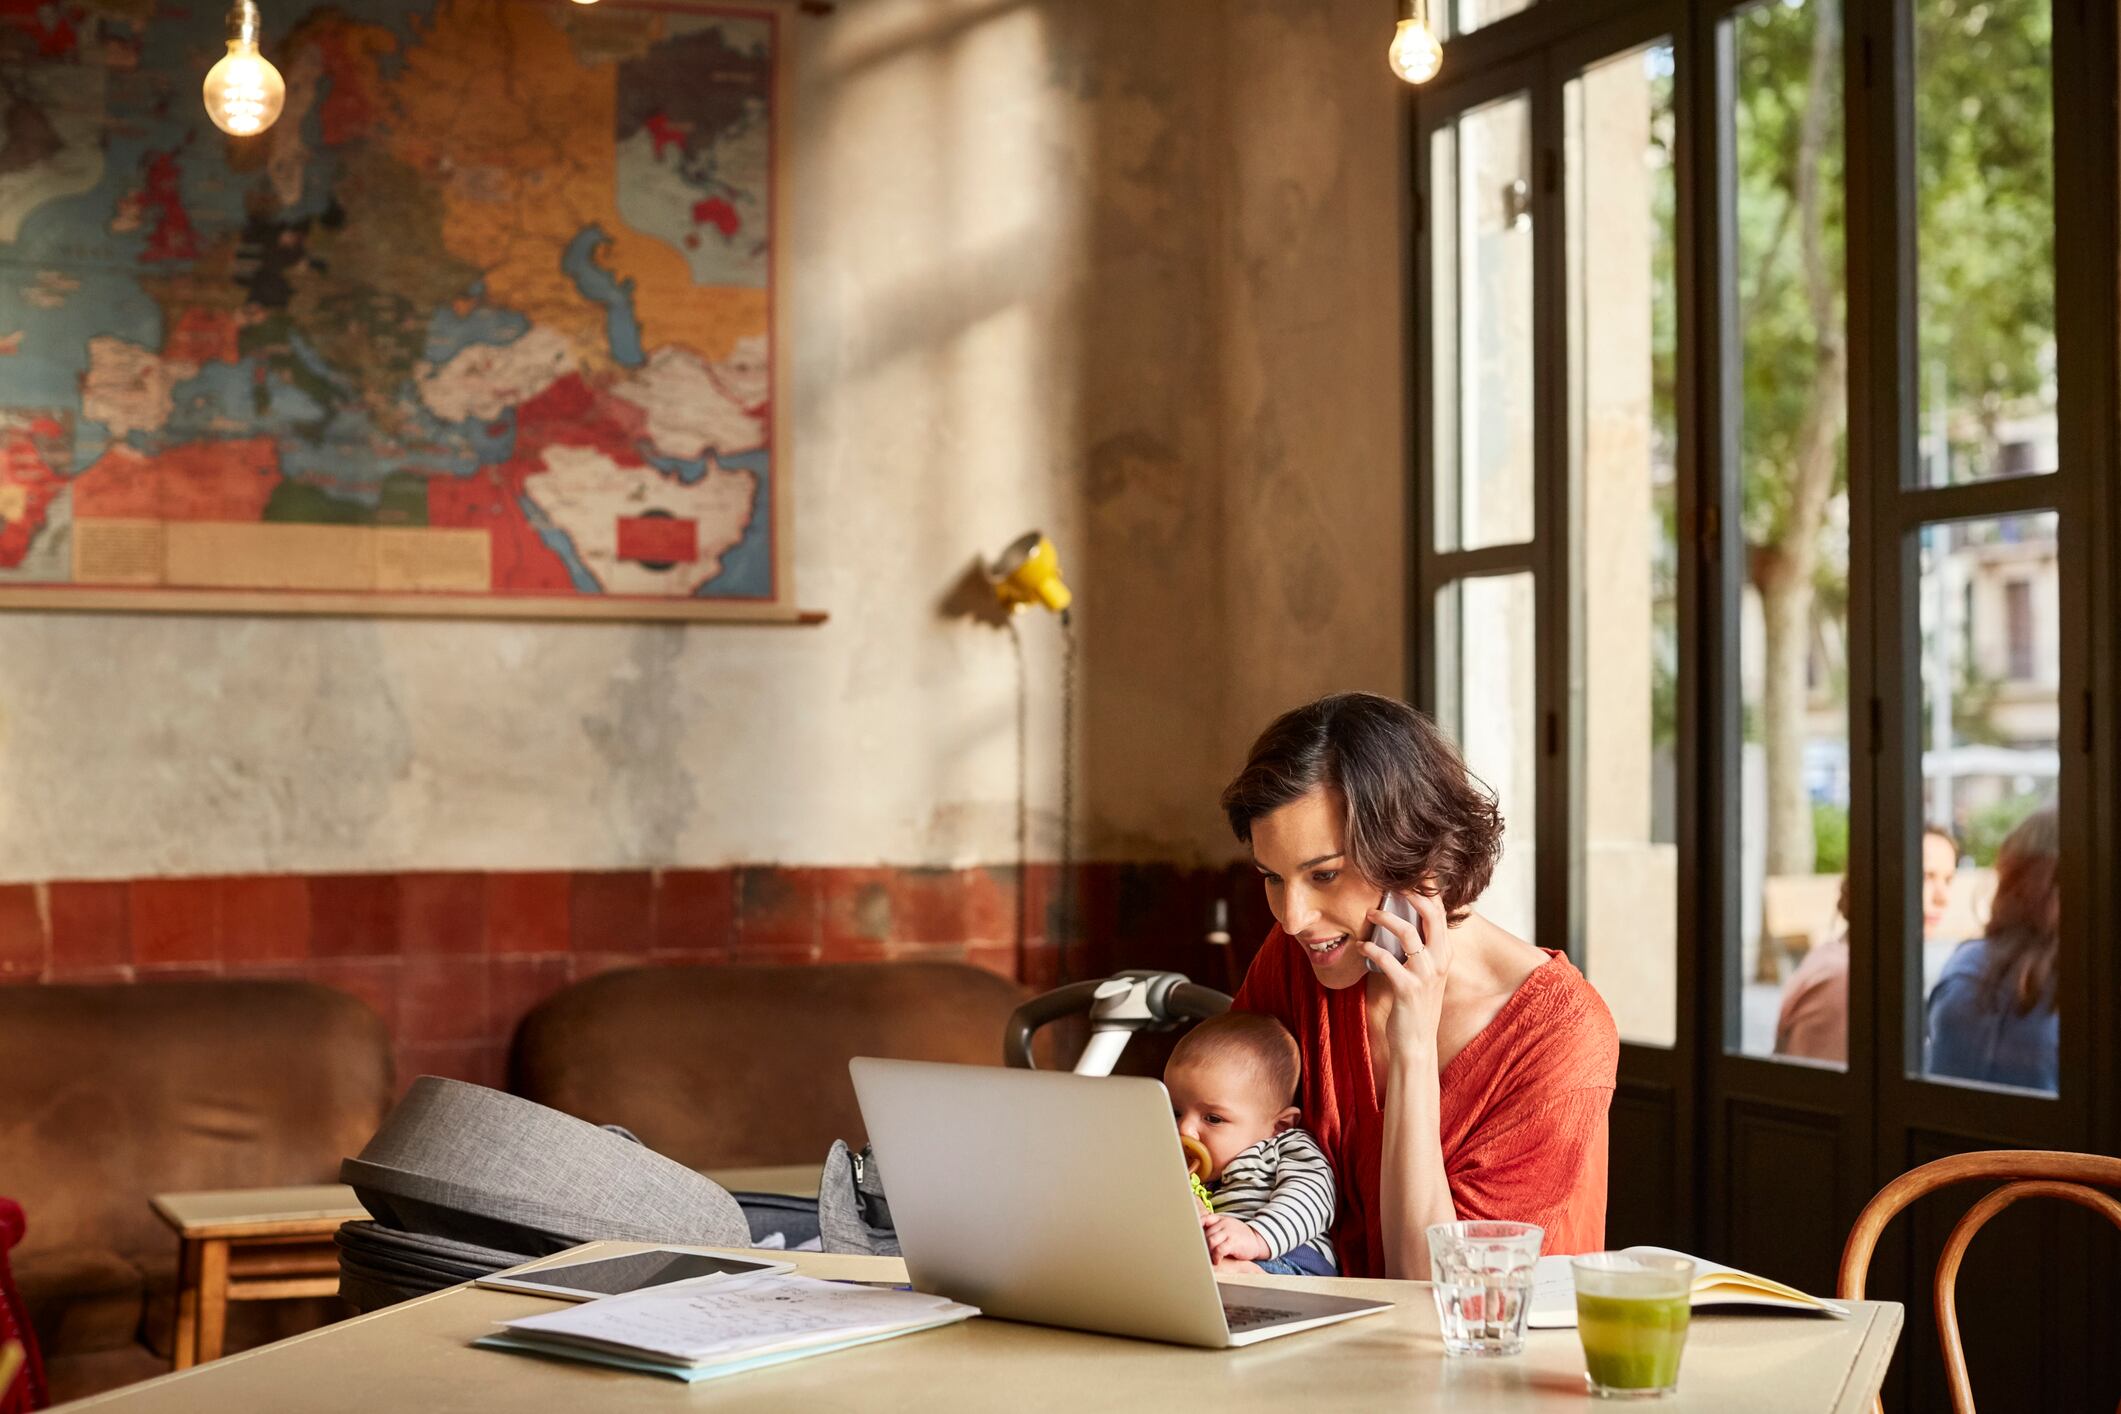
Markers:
point(1398, 907)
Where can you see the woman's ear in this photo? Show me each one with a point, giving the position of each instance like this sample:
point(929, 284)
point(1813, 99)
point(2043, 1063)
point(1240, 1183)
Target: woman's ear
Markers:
point(1287, 1119)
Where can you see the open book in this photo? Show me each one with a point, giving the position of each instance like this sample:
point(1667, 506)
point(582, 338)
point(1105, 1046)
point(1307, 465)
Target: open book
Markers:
point(720, 1325)
point(1554, 1290)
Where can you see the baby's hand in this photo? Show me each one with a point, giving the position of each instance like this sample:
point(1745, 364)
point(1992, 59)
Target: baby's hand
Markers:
point(1234, 1240)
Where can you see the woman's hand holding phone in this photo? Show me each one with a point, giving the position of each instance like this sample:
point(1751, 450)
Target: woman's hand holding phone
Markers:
point(1415, 968)
point(1397, 906)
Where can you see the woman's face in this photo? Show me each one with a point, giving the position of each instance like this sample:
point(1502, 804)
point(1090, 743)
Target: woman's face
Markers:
point(1318, 899)
point(1939, 863)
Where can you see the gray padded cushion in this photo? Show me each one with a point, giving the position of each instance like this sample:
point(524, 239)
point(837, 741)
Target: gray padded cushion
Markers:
point(477, 1165)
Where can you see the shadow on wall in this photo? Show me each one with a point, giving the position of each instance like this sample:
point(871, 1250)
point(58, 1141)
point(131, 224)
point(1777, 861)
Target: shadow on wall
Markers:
point(1033, 342)
point(1178, 324)
point(1152, 462)
point(1239, 424)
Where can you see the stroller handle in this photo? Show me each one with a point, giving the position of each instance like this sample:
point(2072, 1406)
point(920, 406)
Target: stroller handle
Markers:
point(1189, 1001)
point(1144, 1001)
point(1041, 1011)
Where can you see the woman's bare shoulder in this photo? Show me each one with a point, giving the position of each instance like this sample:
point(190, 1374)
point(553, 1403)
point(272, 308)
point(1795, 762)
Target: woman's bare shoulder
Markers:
point(1497, 965)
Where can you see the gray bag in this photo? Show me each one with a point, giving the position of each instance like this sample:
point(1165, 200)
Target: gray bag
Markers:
point(852, 1212)
point(478, 1165)
point(461, 1178)
point(381, 1266)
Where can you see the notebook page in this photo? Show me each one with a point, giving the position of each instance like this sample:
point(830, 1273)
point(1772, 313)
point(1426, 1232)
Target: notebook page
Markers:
point(1553, 1302)
point(1715, 1284)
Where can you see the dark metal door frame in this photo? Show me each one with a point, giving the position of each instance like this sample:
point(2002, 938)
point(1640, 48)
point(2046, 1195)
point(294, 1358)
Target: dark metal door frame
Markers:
point(1871, 1110)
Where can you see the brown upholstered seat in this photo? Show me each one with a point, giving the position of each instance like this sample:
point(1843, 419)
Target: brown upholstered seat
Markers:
point(723, 1067)
point(84, 1298)
point(118, 1093)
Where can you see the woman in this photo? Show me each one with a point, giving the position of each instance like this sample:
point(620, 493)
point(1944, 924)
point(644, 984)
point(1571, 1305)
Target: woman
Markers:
point(1992, 1016)
point(1470, 1081)
point(1940, 870)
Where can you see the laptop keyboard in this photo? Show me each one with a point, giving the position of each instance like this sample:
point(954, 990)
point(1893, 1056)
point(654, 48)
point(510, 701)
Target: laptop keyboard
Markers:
point(1244, 1318)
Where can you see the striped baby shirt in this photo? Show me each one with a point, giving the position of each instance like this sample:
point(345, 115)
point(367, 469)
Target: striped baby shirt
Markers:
point(1283, 1187)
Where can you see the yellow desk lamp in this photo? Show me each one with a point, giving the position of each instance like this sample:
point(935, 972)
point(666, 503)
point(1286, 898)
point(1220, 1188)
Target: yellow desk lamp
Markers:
point(1026, 573)
point(1029, 572)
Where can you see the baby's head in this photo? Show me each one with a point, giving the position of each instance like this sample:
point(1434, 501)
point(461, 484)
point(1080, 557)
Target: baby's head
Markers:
point(1233, 1082)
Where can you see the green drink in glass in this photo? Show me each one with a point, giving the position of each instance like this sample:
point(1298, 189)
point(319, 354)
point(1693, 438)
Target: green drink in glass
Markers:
point(1632, 1311)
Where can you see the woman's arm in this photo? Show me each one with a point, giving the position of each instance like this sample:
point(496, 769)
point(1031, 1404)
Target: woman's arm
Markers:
point(1417, 1193)
point(1416, 1189)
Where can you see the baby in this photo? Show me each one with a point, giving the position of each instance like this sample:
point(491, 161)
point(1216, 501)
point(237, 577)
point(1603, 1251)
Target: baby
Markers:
point(1233, 1088)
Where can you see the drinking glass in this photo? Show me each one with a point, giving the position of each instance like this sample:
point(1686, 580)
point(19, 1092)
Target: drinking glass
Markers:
point(1632, 1310)
point(1481, 1273)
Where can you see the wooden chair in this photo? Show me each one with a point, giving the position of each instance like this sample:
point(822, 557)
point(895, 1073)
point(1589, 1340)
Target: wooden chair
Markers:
point(2024, 1173)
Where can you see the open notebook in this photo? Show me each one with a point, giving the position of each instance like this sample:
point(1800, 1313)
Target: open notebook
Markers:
point(712, 1326)
point(1554, 1290)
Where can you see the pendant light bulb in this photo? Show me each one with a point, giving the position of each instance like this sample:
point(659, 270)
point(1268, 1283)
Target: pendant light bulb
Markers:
point(244, 92)
point(1415, 55)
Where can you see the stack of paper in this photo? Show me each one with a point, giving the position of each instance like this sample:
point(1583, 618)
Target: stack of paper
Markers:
point(715, 1326)
point(1554, 1290)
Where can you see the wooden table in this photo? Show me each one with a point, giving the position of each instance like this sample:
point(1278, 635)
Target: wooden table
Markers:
point(419, 1356)
point(250, 1244)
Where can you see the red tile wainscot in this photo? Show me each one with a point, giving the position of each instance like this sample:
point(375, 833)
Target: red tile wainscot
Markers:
point(453, 961)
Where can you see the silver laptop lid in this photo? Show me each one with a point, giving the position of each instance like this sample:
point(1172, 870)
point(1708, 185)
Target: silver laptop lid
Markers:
point(1040, 1196)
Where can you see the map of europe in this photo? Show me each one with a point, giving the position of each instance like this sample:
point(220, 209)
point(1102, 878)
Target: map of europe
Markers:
point(486, 315)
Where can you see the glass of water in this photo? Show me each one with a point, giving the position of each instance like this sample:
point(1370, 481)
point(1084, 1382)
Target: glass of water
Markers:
point(1481, 1273)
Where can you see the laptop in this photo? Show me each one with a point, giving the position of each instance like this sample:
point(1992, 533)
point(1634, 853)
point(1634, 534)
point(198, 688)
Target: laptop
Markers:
point(1060, 1200)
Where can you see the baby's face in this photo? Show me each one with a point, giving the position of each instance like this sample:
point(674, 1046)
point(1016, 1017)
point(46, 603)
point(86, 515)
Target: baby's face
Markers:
point(1226, 1106)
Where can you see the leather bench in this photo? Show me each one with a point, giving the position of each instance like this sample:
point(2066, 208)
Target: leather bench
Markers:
point(117, 1093)
point(733, 1067)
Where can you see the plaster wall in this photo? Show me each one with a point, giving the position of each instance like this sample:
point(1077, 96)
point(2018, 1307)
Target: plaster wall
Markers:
point(1127, 272)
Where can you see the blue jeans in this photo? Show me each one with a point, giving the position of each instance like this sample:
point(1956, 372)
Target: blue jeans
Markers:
point(1304, 1261)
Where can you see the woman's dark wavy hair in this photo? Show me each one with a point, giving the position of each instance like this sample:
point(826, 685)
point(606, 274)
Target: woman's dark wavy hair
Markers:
point(1413, 810)
point(2024, 923)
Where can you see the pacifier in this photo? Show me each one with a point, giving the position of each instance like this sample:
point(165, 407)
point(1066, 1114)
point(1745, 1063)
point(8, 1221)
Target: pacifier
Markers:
point(1199, 1162)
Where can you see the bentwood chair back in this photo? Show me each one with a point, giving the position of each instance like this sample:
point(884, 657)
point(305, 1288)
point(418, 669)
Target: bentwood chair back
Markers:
point(2023, 1173)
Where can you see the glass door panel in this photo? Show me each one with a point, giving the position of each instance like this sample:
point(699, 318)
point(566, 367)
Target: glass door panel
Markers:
point(1985, 238)
point(1481, 298)
point(1486, 640)
point(1623, 322)
point(1469, 15)
point(1794, 772)
point(1989, 603)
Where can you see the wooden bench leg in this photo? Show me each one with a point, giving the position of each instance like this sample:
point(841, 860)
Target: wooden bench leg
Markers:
point(185, 1340)
point(213, 1298)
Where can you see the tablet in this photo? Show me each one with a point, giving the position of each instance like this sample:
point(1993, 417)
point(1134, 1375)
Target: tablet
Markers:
point(611, 1276)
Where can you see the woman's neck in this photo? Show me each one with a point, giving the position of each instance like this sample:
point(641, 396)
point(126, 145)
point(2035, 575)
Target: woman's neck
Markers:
point(1488, 965)
point(1487, 959)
